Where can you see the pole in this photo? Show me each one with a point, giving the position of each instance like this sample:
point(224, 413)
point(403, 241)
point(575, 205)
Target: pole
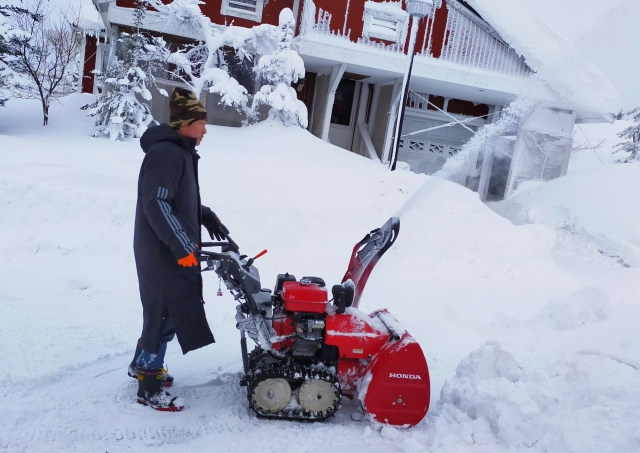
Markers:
point(415, 20)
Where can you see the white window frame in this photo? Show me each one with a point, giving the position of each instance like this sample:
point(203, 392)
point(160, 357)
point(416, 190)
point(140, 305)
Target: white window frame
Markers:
point(372, 13)
point(228, 10)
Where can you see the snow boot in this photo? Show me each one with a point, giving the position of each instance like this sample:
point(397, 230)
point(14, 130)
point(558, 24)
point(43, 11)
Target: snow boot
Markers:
point(151, 393)
point(167, 379)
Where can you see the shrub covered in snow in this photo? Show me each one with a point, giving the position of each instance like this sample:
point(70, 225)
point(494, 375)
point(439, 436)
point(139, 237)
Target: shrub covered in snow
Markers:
point(278, 70)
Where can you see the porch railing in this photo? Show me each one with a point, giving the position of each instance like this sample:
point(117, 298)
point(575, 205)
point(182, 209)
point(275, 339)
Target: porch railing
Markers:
point(470, 42)
point(467, 41)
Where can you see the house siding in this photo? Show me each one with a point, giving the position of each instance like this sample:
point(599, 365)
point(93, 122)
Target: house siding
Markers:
point(212, 8)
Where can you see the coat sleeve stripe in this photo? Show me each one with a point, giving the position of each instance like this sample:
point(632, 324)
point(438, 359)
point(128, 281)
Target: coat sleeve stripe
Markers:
point(172, 221)
point(164, 207)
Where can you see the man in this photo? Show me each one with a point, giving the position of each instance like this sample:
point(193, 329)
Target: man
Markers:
point(169, 216)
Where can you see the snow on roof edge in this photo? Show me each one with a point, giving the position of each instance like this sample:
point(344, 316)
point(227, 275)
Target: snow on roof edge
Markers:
point(574, 78)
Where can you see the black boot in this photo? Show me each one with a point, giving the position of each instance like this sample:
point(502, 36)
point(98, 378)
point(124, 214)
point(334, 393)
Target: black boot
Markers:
point(151, 393)
point(167, 379)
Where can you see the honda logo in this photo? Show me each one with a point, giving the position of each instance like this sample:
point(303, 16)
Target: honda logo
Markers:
point(404, 376)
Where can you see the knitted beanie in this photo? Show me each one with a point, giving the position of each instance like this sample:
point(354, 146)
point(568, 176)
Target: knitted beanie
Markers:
point(184, 108)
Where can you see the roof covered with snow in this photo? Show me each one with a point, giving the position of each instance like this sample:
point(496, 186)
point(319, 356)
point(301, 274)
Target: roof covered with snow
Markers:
point(568, 72)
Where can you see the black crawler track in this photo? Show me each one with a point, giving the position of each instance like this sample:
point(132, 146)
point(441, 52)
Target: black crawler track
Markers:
point(295, 375)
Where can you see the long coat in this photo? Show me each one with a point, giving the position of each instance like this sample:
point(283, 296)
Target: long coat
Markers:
point(167, 228)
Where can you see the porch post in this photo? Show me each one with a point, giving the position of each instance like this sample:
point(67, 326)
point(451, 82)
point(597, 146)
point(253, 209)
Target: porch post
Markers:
point(391, 121)
point(336, 76)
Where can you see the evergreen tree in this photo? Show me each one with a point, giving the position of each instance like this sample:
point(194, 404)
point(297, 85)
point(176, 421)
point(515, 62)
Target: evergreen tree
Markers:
point(131, 72)
point(632, 134)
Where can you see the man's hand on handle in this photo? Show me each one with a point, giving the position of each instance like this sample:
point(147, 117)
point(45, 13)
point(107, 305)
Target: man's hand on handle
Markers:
point(217, 230)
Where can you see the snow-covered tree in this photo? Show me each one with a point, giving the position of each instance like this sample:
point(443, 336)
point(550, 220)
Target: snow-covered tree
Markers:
point(202, 66)
point(131, 72)
point(632, 134)
point(277, 71)
point(7, 32)
point(43, 53)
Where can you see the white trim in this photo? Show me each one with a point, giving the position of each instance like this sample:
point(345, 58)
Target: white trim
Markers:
point(336, 76)
point(227, 9)
point(368, 144)
point(391, 122)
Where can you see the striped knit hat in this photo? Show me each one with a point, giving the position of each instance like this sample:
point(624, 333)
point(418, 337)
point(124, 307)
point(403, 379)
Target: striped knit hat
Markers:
point(184, 108)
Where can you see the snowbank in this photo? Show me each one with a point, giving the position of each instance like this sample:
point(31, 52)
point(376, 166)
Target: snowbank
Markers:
point(529, 349)
point(599, 204)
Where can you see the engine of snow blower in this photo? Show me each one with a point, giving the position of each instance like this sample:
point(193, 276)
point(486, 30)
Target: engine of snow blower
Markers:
point(313, 346)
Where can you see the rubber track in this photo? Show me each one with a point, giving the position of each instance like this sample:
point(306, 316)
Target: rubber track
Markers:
point(294, 374)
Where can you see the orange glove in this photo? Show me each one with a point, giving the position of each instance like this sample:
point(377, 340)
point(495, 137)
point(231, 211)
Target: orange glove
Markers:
point(188, 261)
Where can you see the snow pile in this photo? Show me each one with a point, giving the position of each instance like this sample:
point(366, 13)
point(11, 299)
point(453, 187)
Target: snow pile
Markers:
point(554, 59)
point(584, 405)
point(598, 205)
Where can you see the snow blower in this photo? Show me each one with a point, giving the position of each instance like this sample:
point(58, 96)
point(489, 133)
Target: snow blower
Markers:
point(311, 351)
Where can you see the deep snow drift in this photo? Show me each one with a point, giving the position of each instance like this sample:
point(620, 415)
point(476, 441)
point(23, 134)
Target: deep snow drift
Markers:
point(530, 330)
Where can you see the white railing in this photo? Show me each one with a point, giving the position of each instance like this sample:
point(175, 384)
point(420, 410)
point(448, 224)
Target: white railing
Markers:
point(467, 41)
point(470, 42)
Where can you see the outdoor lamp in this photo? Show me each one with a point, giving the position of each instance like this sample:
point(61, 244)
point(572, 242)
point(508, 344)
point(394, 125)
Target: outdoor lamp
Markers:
point(419, 8)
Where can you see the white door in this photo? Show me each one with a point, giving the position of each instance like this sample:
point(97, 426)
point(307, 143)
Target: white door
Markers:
point(343, 115)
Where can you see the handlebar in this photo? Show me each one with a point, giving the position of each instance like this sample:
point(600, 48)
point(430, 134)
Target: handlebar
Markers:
point(230, 243)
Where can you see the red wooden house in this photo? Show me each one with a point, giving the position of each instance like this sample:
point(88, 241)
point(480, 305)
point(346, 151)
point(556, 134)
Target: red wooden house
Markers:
point(355, 52)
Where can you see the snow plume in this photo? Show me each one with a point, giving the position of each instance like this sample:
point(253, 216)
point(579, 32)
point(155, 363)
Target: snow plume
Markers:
point(556, 62)
point(278, 70)
point(457, 167)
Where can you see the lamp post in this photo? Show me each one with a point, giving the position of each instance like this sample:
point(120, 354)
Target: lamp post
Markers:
point(417, 9)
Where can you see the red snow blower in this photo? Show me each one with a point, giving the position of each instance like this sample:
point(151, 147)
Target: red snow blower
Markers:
point(310, 352)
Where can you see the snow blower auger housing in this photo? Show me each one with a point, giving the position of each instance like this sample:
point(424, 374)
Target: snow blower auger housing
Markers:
point(311, 351)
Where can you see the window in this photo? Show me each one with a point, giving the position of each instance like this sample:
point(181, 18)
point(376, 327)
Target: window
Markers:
point(244, 9)
point(385, 21)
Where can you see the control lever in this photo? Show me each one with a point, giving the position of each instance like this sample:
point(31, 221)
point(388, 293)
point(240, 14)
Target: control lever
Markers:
point(251, 260)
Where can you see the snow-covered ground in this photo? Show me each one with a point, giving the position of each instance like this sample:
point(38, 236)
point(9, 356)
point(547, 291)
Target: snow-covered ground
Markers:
point(530, 326)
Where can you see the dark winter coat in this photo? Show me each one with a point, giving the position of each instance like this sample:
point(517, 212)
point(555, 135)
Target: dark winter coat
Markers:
point(167, 228)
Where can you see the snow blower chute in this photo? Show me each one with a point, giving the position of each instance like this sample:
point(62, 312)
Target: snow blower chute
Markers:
point(310, 352)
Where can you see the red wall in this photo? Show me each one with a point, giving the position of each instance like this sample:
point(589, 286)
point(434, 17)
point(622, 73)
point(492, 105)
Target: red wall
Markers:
point(211, 8)
point(89, 64)
point(355, 21)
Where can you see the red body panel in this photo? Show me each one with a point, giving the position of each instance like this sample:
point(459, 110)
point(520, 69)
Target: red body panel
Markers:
point(283, 325)
point(304, 298)
point(354, 336)
point(397, 384)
